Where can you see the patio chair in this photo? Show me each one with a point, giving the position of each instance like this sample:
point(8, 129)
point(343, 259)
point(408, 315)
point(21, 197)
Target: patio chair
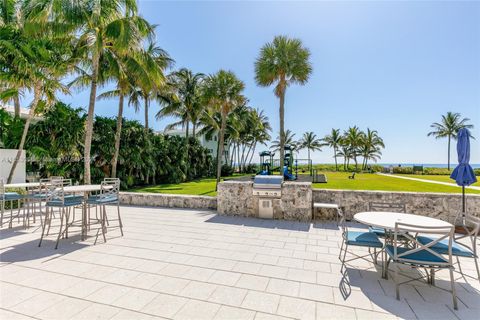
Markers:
point(352, 176)
point(460, 249)
point(384, 206)
point(56, 199)
point(357, 239)
point(108, 196)
point(421, 256)
point(10, 197)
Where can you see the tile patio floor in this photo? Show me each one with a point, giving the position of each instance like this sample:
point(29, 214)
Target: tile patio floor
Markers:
point(187, 264)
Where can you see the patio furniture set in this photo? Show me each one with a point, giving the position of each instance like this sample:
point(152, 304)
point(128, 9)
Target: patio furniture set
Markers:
point(56, 197)
point(422, 243)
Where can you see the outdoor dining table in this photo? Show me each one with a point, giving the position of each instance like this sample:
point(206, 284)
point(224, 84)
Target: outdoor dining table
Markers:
point(85, 190)
point(387, 221)
point(26, 185)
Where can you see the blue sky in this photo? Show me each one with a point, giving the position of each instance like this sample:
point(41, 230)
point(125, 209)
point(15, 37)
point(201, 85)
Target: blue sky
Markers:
point(391, 66)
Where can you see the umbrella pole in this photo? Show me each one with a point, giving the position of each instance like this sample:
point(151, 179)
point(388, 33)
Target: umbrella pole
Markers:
point(463, 205)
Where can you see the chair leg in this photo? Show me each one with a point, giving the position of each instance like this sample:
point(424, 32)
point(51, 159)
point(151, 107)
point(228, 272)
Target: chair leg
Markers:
point(432, 277)
point(121, 224)
point(62, 213)
point(44, 226)
point(343, 260)
point(103, 212)
point(340, 253)
point(454, 292)
point(397, 285)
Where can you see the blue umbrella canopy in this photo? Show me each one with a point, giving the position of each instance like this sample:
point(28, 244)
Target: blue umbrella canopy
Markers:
point(463, 174)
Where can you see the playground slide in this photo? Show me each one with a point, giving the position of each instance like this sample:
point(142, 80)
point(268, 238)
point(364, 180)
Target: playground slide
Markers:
point(287, 175)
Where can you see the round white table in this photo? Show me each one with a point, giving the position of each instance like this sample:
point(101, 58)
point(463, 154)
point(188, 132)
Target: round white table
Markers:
point(387, 220)
point(23, 185)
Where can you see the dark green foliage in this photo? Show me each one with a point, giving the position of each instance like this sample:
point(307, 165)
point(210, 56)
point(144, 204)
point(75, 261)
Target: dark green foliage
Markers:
point(55, 147)
point(403, 170)
point(252, 168)
point(227, 170)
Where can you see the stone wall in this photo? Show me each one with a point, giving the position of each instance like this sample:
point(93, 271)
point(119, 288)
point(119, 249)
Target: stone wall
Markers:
point(444, 206)
point(168, 200)
point(236, 198)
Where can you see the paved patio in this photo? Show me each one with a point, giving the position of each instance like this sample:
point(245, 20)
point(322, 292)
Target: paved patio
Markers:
point(187, 264)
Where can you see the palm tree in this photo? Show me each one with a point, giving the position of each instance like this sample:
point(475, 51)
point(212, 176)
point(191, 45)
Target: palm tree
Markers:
point(345, 152)
point(371, 146)
point(38, 64)
point(282, 62)
point(103, 28)
point(310, 141)
point(187, 86)
point(353, 137)
point(333, 140)
point(448, 127)
point(289, 141)
point(223, 92)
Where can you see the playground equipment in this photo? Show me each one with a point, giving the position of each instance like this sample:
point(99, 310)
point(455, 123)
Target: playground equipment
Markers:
point(266, 163)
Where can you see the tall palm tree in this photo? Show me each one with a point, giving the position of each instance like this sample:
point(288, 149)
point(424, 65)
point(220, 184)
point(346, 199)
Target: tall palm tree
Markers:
point(371, 146)
point(223, 92)
point(448, 128)
point(345, 151)
point(353, 137)
point(282, 62)
point(289, 140)
point(333, 140)
point(310, 141)
point(103, 27)
point(38, 64)
point(187, 86)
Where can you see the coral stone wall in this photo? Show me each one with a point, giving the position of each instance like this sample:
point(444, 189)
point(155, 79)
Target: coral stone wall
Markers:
point(444, 206)
point(168, 200)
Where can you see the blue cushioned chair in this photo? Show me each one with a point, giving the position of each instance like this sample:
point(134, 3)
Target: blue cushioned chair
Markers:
point(10, 197)
point(465, 249)
point(56, 199)
point(357, 239)
point(421, 255)
point(108, 196)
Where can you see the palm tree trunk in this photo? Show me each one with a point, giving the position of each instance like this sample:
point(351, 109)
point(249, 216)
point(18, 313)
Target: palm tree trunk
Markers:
point(253, 152)
point(221, 136)
point(282, 129)
point(448, 163)
point(335, 156)
point(187, 127)
point(118, 134)
point(89, 124)
point(193, 129)
point(36, 99)
point(146, 112)
point(308, 156)
point(16, 105)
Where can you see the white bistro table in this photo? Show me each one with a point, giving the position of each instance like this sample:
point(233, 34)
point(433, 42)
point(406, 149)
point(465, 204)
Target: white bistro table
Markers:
point(85, 190)
point(387, 221)
point(23, 185)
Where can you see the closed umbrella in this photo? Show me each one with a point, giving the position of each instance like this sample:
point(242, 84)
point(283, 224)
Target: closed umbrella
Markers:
point(463, 173)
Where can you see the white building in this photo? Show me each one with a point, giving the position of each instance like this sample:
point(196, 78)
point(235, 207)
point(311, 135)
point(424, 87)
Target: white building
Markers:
point(210, 144)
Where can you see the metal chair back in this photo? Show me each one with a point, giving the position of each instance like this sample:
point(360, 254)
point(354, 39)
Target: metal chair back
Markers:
point(387, 206)
point(471, 229)
point(55, 192)
point(407, 231)
point(2, 190)
point(110, 188)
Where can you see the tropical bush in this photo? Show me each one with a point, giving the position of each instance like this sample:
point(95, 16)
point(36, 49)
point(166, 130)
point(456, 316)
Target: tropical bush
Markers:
point(403, 170)
point(227, 170)
point(477, 172)
point(55, 147)
point(437, 171)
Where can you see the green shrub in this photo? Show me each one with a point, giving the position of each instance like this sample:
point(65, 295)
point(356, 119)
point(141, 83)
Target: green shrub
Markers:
point(477, 172)
point(437, 171)
point(403, 170)
point(227, 170)
point(252, 168)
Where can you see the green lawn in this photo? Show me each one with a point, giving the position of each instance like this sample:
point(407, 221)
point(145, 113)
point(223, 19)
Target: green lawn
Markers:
point(435, 178)
point(336, 180)
point(367, 181)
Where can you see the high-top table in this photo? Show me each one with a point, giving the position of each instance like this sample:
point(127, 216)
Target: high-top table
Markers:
point(387, 221)
point(85, 190)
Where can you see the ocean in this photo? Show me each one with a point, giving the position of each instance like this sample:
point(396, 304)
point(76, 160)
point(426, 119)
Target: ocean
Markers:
point(427, 165)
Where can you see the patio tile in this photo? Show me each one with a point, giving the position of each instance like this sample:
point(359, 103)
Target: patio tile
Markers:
point(37, 304)
point(296, 308)
point(4, 314)
point(224, 277)
point(368, 315)
point(97, 312)
point(198, 290)
point(265, 302)
point(145, 280)
point(331, 311)
point(283, 287)
point(64, 309)
point(11, 294)
point(170, 285)
point(316, 292)
point(194, 309)
point(135, 299)
point(247, 267)
point(266, 259)
point(108, 293)
point(232, 313)
point(252, 282)
point(228, 296)
point(302, 275)
point(165, 305)
point(130, 315)
point(198, 273)
point(273, 271)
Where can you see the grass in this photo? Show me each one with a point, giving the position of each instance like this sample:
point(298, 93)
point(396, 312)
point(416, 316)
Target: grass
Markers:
point(435, 178)
point(336, 180)
point(366, 181)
